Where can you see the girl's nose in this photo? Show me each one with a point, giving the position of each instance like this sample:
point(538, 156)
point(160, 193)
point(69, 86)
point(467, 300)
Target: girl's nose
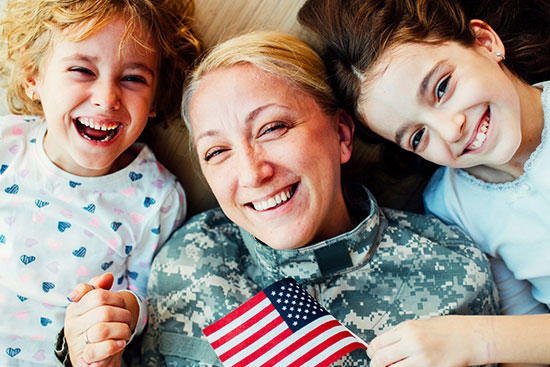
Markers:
point(106, 96)
point(452, 129)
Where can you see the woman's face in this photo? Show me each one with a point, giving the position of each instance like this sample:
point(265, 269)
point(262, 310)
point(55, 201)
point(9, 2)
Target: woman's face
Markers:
point(452, 105)
point(271, 156)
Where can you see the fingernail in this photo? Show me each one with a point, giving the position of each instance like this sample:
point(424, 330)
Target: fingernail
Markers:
point(72, 295)
point(121, 343)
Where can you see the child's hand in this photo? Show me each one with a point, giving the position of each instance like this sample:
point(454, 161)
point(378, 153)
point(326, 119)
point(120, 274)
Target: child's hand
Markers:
point(440, 341)
point(97, 324)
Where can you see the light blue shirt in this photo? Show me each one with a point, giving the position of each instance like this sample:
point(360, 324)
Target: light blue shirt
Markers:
point(509, 221)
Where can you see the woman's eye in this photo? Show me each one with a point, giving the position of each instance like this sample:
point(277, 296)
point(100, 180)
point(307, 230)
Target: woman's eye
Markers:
point(441, 88)
point(277, 128)
point(416, 138)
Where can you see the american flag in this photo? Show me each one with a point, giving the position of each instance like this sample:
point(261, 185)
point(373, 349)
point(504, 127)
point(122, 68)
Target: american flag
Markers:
point(280, 326)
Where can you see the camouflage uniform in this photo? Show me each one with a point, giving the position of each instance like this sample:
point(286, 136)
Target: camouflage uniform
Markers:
point(391, 267)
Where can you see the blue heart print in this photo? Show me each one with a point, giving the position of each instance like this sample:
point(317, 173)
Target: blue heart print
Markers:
point(2, 239)
point(41, 203)
point(63, 226)
point(13, 189)
point(33, 140)
point(134, 176)
point(12, 352)
point(47, 286)
point(74, 184)
point(26, 259)
point(115, 225)
point(22, 298)
point(119, 280)
point(156, 230)
point(44, 321)
point(3, 168)
point(81, 252)
point(106, 265)
point(128, 249)
point(90, 208)
point(148, 202)
point(132, 274)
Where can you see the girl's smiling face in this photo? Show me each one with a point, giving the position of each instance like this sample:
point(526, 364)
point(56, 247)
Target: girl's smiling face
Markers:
point(453, 105)
point(97, 95)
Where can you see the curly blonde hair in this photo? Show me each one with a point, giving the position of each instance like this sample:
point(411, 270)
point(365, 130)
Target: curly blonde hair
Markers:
point(28, 28)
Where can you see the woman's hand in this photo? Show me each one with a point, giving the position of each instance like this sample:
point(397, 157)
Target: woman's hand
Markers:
point(98, 324)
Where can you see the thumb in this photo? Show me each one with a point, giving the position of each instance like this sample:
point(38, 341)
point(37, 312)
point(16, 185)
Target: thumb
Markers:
point(103, 281)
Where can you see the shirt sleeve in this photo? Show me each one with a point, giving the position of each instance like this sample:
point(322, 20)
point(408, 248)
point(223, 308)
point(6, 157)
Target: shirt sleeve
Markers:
point(515, 294)
point(170, 215)
point(176, 310)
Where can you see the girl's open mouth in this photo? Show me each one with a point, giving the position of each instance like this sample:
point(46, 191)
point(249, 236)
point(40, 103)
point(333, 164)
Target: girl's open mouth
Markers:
point(95, 131)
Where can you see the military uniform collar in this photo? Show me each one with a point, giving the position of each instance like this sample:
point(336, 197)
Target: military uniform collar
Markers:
point(336, 255)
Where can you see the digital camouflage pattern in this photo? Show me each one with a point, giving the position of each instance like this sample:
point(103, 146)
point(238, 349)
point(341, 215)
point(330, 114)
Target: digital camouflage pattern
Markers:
point(392, 267)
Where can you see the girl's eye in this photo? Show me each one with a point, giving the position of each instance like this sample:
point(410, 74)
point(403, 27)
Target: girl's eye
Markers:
point(81, 70)
point(212, 153)
point(416, 138)
point(441, 88)
point(274, 129)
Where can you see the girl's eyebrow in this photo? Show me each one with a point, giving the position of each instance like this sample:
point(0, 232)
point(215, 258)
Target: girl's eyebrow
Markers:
point(422, 90)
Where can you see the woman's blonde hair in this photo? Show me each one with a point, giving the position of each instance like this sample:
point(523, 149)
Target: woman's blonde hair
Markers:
point(279, 54)
point(28, 28)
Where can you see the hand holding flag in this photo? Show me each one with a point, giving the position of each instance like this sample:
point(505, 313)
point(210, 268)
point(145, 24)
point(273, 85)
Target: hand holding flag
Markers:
point(281, 326)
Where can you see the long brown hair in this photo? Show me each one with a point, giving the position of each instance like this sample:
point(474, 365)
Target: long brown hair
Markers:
point(354, 33)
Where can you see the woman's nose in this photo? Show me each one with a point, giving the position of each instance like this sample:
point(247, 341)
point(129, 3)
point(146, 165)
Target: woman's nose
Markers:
point(254, 170)
point(106, 96)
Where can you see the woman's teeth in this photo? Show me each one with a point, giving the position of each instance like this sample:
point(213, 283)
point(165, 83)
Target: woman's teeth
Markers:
point(273, 201)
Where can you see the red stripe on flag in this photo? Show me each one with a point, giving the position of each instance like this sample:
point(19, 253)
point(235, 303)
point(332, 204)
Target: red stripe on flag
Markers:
point(251, 339)
point(258, 353)
point(340, 352)
point(303, 340)
point(242, 327)
point(319, 348)
point(234, 314)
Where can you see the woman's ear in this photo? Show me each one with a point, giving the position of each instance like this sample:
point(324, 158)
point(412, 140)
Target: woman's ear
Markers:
point(346, 128)
point(487, 38)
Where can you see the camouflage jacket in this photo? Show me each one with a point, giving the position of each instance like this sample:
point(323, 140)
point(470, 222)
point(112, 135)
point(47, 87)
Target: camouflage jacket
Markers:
point(391, 267)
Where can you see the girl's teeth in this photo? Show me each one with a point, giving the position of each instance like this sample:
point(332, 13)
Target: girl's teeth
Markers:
point(480, 136)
